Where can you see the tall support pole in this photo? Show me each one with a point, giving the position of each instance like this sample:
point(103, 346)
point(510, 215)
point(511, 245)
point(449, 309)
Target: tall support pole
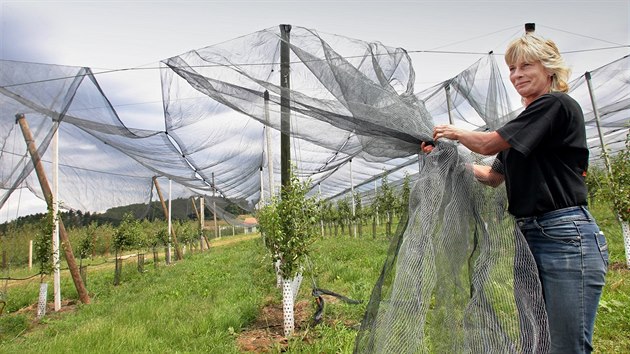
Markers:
point(354, 225)
point(192, 201)
point(30, 254)
point(591, 93)
point(55, 208)
point(166, 209)
point(262, 189)
point(625, 229)
point(43, 181)
point(285, 107)
point(321, 219)
point(214, 210)
point(376, 208)
point(170, 225)
point(448, 103)
point(202, 221)
point(269, 146)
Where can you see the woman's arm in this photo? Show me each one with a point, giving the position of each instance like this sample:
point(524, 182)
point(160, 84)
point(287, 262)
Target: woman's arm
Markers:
point(487, 176)
point(485, 143)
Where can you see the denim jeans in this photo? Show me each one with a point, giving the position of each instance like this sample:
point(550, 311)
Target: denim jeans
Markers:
point(572, 258)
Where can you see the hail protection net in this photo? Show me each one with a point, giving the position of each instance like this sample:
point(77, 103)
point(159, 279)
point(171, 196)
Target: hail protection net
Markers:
point(102, 163)
point(457, 276)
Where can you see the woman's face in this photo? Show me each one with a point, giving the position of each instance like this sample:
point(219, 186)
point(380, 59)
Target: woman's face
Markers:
point(530, 79)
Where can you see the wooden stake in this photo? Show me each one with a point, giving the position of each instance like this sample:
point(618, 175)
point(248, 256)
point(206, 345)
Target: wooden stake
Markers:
point(43, 181)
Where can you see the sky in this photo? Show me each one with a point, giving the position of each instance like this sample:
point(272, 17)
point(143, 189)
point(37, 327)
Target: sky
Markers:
point(110, 35)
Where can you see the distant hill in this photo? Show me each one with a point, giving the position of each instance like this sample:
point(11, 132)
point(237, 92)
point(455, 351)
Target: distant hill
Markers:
point(182, 209)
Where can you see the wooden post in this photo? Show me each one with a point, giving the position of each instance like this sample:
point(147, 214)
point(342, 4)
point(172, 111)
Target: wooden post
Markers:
point(202, 221)
point(165, 209)
point(43, 181)
point(285, 107)
point(192, 201)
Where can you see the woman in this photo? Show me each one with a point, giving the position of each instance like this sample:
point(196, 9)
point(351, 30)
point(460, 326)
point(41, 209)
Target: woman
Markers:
point(543, 158)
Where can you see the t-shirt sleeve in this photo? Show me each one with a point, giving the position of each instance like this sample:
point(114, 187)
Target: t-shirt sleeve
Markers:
point(525, 132)
point(497, 165)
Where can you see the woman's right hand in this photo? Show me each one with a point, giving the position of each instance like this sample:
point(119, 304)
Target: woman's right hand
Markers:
point(426, 148)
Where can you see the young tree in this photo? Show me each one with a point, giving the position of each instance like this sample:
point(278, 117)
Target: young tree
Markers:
point(126, 235)
point(289, 225)
point(617, 189)
point(386, 200)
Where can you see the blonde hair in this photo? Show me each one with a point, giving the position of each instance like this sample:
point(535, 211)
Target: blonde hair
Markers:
point(531, 48)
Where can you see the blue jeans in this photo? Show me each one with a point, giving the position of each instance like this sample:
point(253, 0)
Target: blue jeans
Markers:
point(572, 258)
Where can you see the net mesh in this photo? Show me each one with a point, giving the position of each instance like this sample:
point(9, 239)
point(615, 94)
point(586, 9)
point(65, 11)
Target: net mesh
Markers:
point(457, 277)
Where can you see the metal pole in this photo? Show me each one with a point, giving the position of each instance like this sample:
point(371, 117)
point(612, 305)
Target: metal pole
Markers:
point(591, 93)
point(43, 181)
point(214, 210)
point(55, 208)
point(285, 107)
point(354, 226)
point(262, 190)
point(448, 103)
point(269, 146)
point(30, 254)
point(202, 218)
point(165, 209)
point(376, 208)
point(170, 226)
point(321, 219)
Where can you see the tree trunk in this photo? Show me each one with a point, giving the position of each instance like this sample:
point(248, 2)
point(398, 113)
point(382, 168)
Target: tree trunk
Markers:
point(141, 262)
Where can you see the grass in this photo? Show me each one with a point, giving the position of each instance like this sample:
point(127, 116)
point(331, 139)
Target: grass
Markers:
point(203, 304)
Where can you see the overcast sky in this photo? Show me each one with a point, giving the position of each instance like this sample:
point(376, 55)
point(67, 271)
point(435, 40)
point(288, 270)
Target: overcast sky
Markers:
point(129, 34)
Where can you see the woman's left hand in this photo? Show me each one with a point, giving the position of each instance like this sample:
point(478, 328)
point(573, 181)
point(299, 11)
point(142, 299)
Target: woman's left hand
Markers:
point(446, 131)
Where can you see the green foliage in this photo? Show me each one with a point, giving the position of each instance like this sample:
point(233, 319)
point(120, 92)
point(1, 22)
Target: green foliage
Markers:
point(386, 198)
point(406, 191)
point(344, 211)
point(288, 226)
point(161, 236)
point(359, 212)
point(42, 246)
point(87, 241)
point(617, 185)
point(127, 233)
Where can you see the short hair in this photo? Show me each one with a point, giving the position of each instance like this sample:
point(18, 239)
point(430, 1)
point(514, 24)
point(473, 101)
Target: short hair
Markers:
point(532, 47)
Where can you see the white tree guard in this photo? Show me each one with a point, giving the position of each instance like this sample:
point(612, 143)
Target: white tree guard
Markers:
point(43, 300)
point(625, 230)
point(288, 307)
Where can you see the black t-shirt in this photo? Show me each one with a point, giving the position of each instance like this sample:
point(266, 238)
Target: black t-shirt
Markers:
point(546, 165)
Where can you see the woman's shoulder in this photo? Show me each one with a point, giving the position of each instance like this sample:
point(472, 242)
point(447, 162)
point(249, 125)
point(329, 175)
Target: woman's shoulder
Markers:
point(558, 98)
